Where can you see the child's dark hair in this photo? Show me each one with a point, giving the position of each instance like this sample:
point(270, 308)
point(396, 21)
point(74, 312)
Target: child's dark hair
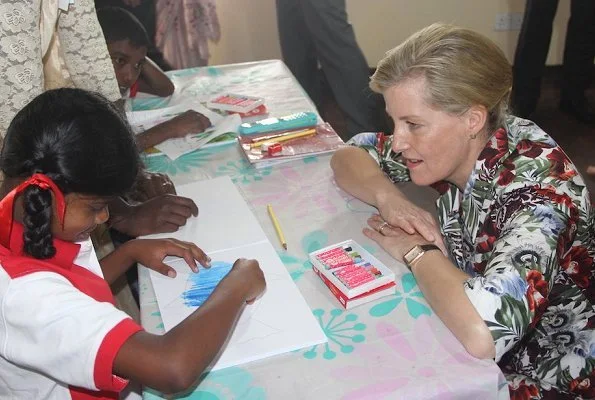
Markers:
point(118, 24)
point(80, 141)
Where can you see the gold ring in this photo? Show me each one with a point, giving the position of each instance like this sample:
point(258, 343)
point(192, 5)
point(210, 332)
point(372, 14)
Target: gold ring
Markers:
point(381, 227)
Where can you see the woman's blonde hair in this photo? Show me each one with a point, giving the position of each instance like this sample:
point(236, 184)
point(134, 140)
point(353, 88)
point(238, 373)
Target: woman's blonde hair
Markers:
point(462, 68)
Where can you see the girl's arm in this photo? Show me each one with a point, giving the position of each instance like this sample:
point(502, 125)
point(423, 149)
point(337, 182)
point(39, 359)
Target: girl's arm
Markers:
point(152, 80)
point(150, 253)
point(173, 362)
point(177, 127)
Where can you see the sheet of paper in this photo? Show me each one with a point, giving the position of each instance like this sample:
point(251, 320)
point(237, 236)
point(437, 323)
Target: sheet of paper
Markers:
point(224, 219)
point(279, 321)
point(174, 148)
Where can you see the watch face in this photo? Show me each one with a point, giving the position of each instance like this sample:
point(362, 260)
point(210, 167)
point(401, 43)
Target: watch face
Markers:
point(412, 254)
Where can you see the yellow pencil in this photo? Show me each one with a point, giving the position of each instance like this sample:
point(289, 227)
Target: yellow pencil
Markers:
point(296, 135)
point(277, 226)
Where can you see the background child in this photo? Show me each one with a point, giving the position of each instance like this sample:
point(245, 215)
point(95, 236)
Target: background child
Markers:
point(66, 154)
point(127, 43)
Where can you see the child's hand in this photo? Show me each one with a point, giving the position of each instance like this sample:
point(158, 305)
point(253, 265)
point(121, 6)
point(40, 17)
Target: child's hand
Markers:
point(186, 123)
point(160, 214)
point(591, 170)
point(248, 275)
point(150, 185)
point(151, 252)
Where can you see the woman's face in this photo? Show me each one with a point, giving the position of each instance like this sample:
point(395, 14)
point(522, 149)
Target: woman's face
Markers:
point(435, 145)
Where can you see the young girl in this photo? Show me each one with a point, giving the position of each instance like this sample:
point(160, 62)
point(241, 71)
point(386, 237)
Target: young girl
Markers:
point(66, 154)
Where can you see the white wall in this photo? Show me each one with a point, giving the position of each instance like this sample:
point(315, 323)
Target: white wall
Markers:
point(249, 27)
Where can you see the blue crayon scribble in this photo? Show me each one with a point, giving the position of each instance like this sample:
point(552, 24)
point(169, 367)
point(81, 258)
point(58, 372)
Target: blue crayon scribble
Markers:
point(201, 285)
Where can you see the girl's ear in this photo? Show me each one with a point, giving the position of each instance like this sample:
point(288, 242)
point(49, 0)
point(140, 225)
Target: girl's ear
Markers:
point(475, 119)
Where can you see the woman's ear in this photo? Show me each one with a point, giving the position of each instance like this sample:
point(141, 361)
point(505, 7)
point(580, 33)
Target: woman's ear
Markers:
point(475, 119)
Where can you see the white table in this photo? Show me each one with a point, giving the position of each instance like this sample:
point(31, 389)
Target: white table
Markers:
point(395, 347)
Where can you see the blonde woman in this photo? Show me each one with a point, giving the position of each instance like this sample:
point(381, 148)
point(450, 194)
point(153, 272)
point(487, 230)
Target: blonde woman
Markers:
point(508, 267)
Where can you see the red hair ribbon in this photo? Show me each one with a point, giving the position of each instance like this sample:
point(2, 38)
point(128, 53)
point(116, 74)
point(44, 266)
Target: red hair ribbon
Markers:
point(7, 204)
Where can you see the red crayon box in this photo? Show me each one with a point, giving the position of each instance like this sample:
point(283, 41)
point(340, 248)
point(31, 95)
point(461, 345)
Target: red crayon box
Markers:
point(351, 272)
point(235, 103)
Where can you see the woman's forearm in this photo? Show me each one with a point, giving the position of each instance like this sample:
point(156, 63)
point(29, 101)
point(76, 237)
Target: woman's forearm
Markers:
point(442, 285)
point(358, 174)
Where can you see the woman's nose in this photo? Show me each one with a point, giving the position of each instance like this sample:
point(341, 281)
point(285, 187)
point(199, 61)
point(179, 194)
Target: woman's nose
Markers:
point(399, 140)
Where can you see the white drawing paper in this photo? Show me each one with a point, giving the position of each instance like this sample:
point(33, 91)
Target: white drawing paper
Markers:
point(224, 220)
point(278, 322)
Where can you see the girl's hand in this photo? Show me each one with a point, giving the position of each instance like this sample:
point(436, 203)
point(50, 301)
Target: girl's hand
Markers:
point(401, 213)
point(151, 252)
point(186, 123)
point(248, 275)
point(393, 240)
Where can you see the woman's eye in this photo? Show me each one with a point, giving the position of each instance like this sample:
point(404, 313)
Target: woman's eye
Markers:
point(412, 125)
point(118, 60)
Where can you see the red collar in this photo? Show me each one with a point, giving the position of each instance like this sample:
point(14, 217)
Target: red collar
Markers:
point(66, 252)
point(11, 232)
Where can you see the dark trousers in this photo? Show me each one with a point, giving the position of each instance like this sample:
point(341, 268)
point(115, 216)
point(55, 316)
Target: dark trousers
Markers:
point(533, 46)
point(317, 31)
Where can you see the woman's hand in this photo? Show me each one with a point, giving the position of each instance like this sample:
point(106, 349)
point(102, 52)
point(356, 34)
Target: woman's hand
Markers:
point(248, 275)
point(401, 213)
point(188, 122)
point(151, 252)
point(393, 240)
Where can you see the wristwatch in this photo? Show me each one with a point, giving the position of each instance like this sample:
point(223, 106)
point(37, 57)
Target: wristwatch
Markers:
point(417, 252)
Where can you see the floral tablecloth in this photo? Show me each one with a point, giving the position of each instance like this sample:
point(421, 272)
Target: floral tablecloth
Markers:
point(395, 347)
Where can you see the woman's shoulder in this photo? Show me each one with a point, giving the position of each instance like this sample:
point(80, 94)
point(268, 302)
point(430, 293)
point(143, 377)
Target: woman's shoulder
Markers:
point(535, 160)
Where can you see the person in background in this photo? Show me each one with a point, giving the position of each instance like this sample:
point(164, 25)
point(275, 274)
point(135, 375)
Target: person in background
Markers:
point(532, 49)
point(184, 29)
point(41, 50)
point(508, 267)
point(144, 10)
point(318, 31)
point(127, 43)
point(65, 155)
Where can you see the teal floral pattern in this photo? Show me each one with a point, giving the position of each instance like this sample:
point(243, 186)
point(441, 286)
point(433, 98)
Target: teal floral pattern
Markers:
point(408, 291)
point(229, 383)
point(341, 329)
point(183, 164)
point(523, 230)
point(242, 171)
point(296, 265)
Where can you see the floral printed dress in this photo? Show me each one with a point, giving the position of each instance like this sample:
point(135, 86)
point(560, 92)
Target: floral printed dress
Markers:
point(523, 230)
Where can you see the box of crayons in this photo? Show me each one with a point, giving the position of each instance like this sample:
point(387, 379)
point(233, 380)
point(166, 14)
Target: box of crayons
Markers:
point(352, 274)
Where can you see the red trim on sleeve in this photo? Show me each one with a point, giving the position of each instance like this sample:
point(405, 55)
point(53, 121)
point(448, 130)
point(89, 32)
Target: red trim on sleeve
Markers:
point(104, 362)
